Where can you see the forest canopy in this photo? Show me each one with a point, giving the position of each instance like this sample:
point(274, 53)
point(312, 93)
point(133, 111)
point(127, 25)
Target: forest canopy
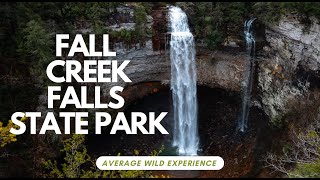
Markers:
point(27, 35)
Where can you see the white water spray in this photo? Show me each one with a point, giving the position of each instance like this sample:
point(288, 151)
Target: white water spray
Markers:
point(247, 83)
point(183, 84)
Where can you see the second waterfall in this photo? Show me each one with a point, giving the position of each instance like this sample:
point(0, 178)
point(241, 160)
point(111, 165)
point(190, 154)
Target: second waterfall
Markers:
point(247, 83)
point(183, 83)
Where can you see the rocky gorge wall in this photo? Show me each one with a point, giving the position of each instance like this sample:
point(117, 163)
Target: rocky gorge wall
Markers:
point(217, 70)
point(287, 66)
point(291, 56)
point(290, 63)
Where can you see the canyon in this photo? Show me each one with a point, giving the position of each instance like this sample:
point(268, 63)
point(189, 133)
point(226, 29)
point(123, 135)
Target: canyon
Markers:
point(284, 82)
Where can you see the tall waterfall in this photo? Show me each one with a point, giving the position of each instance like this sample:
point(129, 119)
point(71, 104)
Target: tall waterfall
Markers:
point(247, 83)
point(183, 84)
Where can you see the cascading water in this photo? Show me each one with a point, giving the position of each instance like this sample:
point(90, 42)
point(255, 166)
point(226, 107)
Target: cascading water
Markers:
point(183, 84)
point(247, 83)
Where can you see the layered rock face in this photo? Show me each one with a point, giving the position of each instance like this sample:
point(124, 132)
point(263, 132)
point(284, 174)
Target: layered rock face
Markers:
point(213, 70)
point(291, 58)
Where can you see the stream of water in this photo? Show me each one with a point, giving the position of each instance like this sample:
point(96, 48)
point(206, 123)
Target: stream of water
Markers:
point(247, 83)
point(183, 84)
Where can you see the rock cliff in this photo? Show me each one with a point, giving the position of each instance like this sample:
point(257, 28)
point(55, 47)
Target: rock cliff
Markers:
point(290, 63)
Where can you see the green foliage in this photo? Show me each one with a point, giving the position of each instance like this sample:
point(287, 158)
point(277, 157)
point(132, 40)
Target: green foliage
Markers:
point(300, 156)
point(5, 136)
point(279, 121)
point(226, 18)
point(28, 30)
point(75, 156)
point(214, 21)
point(38, 44)
point(214, 40)
point(27, 34)
point(286, 148)
point(304, 8)
point(312, 169)
point(17, 97)
point(7, 19)
point(94, 12)
point(312, 134)
point(128, 37)
point(20, 22)
point(270, 12)
point(308, 170)
point(148, 6)
point(140, 18)
point(78, 164)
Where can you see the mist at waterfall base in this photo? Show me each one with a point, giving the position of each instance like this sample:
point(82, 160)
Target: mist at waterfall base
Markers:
point(183, 84)
point(248, 76)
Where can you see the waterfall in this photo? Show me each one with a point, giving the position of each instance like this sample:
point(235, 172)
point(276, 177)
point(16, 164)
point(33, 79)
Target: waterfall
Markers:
point(247, 83)
point(183, 84)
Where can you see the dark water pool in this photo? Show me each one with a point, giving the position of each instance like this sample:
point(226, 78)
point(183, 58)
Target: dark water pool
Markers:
point(218, 111)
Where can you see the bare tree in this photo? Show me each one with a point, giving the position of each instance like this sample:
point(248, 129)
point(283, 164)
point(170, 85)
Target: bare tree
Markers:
point(303, 149)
